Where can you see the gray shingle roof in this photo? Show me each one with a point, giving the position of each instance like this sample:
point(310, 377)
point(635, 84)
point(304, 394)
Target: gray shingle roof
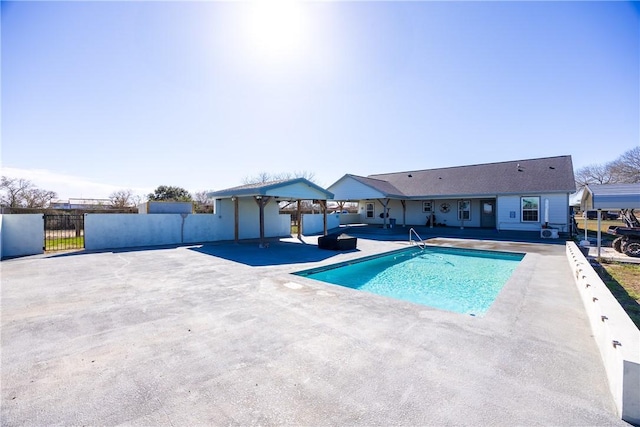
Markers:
point(549, 174)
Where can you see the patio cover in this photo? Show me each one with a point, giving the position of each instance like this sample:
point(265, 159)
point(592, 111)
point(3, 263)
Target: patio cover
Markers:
point(288, 189)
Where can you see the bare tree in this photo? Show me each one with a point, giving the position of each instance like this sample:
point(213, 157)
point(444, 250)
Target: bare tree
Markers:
point(20, 192)
point(201, 197)
point(38, 198)
point(260, 178)
point(203, 204)
point(627, 167)
point(263, 177)
point(121, 199)
point(594, 174)
point(12, 190)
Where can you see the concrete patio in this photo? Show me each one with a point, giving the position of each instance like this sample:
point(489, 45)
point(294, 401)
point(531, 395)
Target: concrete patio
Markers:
point(224, 334)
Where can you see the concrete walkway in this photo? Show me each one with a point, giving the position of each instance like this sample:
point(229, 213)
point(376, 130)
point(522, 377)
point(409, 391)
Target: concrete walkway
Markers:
point(223, 334)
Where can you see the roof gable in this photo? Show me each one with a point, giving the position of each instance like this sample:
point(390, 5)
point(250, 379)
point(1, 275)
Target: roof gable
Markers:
point(298, 188)
point(354, 187)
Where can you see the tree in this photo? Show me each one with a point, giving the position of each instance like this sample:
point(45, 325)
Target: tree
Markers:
point(202, 202)
point(625, 169)
point(594, 174)
point(122, 199)
point(38, 198)
point(20, 192)
point(263, 177)
point(170, 194)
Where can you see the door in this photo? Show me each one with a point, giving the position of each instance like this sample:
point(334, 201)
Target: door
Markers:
point(488, 214)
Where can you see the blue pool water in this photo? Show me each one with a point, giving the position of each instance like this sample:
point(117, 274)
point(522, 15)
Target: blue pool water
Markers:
point(459, 280)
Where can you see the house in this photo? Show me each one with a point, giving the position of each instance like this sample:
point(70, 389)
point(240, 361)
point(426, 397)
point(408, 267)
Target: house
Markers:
point(81, 204)
point(522, 195)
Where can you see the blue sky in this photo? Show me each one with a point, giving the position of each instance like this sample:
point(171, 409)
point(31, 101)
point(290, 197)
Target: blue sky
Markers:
point(100, 96)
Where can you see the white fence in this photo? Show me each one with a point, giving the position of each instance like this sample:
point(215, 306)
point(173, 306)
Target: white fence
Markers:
point(615, 333)
point(21, 235)
point(314, 223)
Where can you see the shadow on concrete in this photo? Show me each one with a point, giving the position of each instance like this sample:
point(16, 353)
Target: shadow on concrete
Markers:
point(276, 253)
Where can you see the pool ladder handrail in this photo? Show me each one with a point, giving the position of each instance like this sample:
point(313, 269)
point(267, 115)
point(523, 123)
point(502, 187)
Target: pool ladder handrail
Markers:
point(419, 240)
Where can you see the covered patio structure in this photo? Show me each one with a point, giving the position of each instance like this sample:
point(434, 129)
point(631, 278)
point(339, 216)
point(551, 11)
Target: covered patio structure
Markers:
point(267, 196)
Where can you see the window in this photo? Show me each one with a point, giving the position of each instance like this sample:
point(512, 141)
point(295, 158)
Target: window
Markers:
point(530, 209)
point(426, 207)
point(370, 210)
point(464, 210)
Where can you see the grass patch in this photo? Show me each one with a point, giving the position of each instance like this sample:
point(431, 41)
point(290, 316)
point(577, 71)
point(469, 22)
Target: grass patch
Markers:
point(623, 280)
point(592, 226)
point(62, 243)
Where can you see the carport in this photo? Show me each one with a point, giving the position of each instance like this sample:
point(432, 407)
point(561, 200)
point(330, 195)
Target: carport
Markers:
point(263, 193)
point(609, 197)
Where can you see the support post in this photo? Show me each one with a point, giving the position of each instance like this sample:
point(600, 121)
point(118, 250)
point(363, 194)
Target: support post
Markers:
point(236, 220)
point(431, 214)
point(262, 202)
point(299, 219)
point(385, 211)
point(404, 212)
point(599, 234)
point(323, 206)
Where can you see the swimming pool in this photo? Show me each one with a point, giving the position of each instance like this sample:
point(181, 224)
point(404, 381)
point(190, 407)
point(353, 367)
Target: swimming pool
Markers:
point(459, 280)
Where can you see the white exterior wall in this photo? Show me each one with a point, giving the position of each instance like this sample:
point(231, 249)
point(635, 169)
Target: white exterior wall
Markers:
point(314, 223)
point(299, 190)
point(350, 218)
point(415, 216)
point(350, 189)
point(509, 213)
point(21, 234)
point(275, 225)
point(165, 207)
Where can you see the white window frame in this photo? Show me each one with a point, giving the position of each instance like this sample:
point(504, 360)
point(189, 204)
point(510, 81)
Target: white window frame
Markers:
point(370, 213)
point(427, 207)
point(523, 210)
point(462, 210)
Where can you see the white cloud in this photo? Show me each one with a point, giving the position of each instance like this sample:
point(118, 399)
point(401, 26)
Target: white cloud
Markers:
point(68, 186)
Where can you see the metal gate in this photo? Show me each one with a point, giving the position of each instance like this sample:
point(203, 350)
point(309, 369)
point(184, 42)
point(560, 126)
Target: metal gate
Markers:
point(63, 232)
